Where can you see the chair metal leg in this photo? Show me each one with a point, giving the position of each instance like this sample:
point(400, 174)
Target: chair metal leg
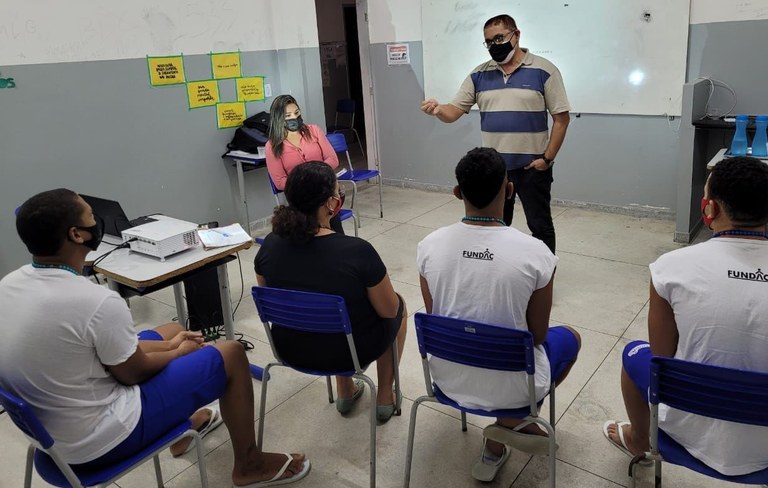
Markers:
point(158, 471)
point(381, 197)
point(372, 386)
point(657, 474)
point(330, 389)
point(28, 469)
point(201, 461)
point(463, 421)
point(359, 141)
point(552, 406)
point(354, 223)
point(352, 205)
point(263, 407)
point(411, 434)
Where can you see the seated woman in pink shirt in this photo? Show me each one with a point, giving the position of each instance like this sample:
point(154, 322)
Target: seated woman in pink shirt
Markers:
point(292, 142)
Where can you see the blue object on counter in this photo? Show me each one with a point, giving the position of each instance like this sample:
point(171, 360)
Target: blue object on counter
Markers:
point(760, 143)
point(739, 143)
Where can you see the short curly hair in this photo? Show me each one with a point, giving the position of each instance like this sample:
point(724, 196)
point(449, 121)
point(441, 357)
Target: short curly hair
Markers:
point(740, 184)
point(480, 174)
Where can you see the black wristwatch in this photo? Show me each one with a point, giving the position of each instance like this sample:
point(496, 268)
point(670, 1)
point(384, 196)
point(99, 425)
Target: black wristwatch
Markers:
point(550, 162)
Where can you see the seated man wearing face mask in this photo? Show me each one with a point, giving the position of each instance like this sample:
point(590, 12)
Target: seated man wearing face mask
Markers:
point(70, 350)
point(707, 305)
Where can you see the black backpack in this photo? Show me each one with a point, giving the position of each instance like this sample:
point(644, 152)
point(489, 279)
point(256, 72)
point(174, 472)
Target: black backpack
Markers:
point(248, 140)
point(259, 121)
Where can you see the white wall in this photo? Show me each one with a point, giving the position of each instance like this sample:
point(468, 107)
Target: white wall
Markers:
point(708, 11)
point(38, 31)
point(394, 20)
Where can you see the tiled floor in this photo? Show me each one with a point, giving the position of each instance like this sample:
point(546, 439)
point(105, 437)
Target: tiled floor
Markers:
point(601, 289)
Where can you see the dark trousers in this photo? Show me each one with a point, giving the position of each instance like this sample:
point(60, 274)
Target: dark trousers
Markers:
point(534, 189)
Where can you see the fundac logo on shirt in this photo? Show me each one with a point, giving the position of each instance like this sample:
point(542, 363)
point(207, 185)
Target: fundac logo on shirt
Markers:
point(748, 275)
point(481, 255)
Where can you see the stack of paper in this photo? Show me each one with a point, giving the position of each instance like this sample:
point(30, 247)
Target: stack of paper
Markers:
point(230, 235)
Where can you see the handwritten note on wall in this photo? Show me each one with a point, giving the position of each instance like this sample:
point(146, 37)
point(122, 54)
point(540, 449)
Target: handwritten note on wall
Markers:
point(226, 65)
point(250, 89)
point(203, 93)
point(165, 70)
point(230, 114)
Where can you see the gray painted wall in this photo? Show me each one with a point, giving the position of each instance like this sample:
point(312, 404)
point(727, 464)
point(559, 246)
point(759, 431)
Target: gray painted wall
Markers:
point(609, 160)
point(99, 128)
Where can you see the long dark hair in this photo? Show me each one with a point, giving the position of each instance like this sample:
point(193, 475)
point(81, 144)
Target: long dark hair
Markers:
point(308, 187)
point(277, 123)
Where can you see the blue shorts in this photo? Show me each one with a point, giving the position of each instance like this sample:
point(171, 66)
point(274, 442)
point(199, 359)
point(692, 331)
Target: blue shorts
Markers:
point(171, 397)
point(562, 349)
point(636, 361)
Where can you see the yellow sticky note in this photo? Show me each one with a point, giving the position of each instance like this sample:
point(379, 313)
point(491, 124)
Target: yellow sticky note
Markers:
point(250, 89)
point(202, 93)
point(230, 114)
point(165, 70)
point(225, 65)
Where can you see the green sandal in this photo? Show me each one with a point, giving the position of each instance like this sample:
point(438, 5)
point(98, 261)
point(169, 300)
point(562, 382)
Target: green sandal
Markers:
point(344, 405)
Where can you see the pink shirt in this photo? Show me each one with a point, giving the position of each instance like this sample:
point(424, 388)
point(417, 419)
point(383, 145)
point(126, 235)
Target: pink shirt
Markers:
point(316, 148)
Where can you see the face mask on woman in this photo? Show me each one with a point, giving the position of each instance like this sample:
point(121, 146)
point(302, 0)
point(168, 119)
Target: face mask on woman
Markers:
point(294, 124)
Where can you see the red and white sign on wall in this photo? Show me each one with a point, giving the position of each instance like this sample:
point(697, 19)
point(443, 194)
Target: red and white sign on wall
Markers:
point(398, 54)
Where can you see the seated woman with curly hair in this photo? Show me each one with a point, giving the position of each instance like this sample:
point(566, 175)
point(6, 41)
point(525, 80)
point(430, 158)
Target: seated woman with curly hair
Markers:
point(304, 253)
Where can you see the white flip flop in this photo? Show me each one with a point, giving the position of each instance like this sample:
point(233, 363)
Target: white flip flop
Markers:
point(623, 446)
point(276, 478)
point(215, 421)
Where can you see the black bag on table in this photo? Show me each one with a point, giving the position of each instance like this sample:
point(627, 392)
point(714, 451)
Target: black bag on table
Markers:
point(248, 140)
point(259, 121)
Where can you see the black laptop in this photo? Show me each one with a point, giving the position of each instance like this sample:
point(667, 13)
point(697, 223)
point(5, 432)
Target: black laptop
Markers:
point(113, 215)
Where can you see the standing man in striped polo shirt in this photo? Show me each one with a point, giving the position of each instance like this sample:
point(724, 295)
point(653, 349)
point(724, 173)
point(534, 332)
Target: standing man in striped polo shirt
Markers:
point(514, 91)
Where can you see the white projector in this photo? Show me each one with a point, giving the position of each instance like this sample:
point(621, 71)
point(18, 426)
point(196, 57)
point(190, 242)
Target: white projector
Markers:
point(162, 238)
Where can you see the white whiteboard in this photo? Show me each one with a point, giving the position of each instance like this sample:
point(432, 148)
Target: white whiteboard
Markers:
point(40, 31)
point(613, 58)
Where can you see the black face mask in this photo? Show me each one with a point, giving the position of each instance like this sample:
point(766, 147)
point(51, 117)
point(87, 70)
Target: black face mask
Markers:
point(294, 124)
point(502, 53)
point(97, 233)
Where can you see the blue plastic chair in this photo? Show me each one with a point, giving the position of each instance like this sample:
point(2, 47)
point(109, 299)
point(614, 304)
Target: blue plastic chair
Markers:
point(701, 389)
point(353, 176)
point(483, 346)
point(55, 471)
point(321, 314)
point(343, 215)
point(346, 109)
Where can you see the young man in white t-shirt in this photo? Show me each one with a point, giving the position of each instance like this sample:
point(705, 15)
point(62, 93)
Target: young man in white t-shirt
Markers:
point(480, 269)
point(69, 349)
point(708, 305)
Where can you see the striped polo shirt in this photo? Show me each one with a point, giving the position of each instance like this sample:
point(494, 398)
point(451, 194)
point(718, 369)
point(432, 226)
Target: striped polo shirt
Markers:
point(513, 108)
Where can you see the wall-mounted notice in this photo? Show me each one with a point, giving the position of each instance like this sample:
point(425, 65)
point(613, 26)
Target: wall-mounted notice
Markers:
point(250, 89)
point(165, 70)
point(225, 65)
point(398, 54)
point(230, 114)
point(203, 93)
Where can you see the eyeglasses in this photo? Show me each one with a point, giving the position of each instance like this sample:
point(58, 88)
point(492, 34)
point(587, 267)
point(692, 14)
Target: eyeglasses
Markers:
point(499, 39)
point(341, 196)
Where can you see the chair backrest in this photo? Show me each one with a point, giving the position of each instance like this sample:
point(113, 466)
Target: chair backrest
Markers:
point(25, 419)
point(275, 191)
point(346, 107)
point(339, 142)
point(475, 343)
point(711, 391)
point(304, 311)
